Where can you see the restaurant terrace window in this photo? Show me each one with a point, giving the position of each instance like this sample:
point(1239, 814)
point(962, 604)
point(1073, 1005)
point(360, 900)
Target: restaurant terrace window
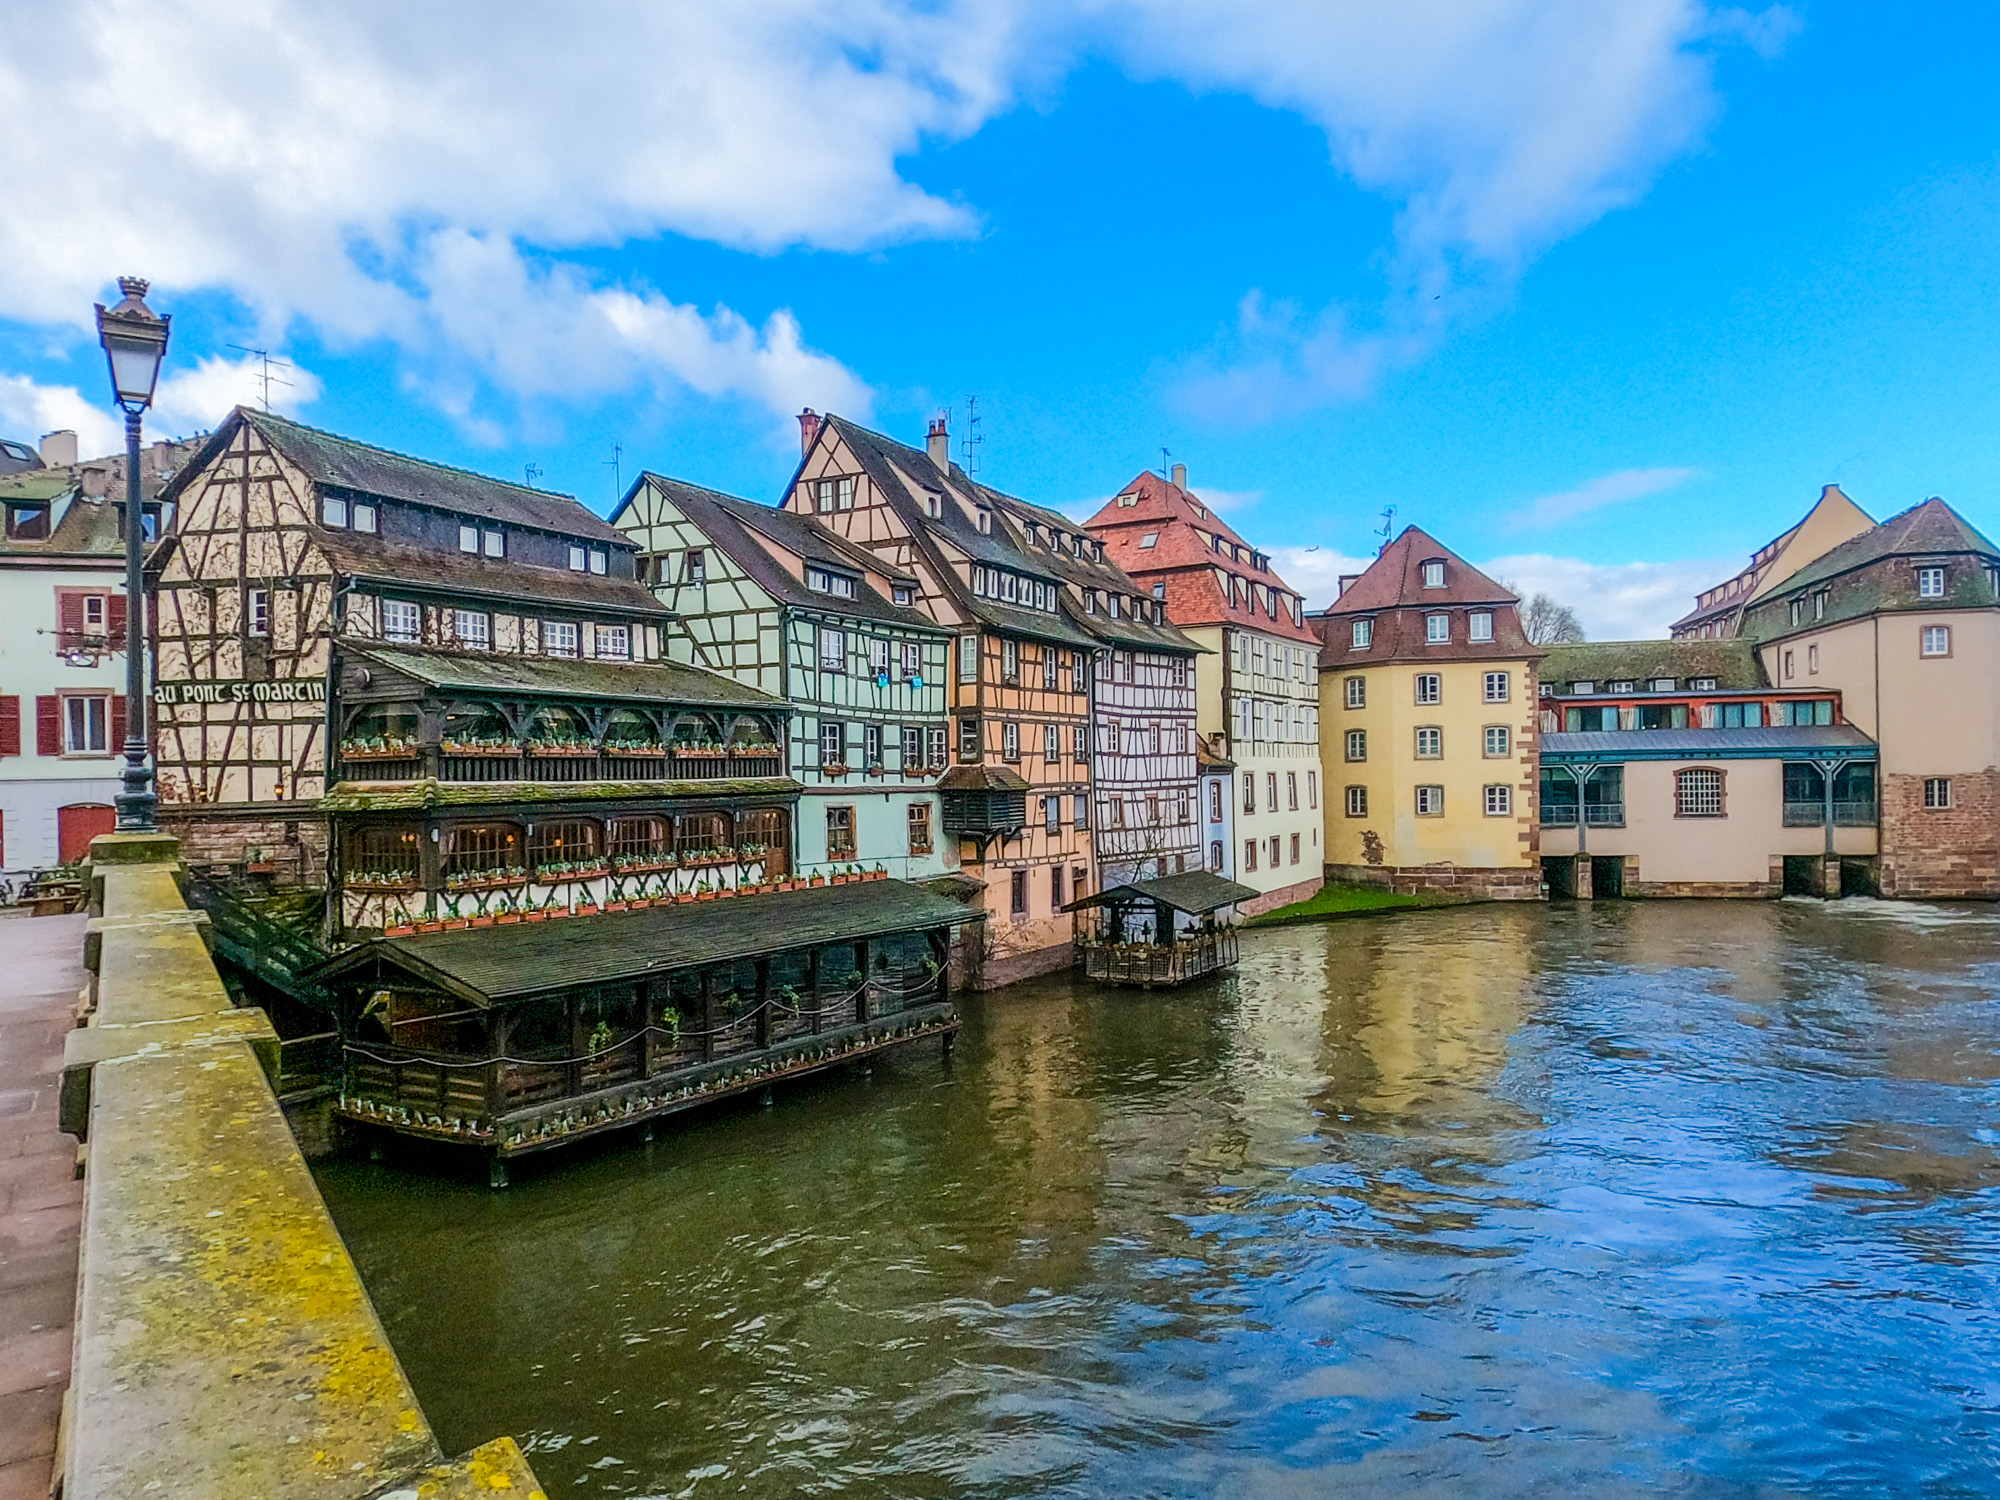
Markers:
point(476, 729)
point(385, 731)
point(557, 731)
point(563, 845)
point(390, 857)
point(475, 849)
point(638, 839)
point(700, 833)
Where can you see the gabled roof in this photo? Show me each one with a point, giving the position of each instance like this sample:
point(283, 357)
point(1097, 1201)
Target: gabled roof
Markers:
point(1832, 519)
point(1194, 892)
point(655, 682)
point(400, 565)
point(1732, 663)
point(329, 459)
point(1395, 579)
point(1931, 528)
point(745, 531)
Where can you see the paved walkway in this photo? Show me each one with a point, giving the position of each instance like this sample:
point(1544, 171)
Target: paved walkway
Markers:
point(41, 971)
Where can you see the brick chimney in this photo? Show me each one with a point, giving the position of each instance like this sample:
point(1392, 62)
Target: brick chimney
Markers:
point(808, 430)
point(1180, 476)
point(59, 449)
point(937, 442)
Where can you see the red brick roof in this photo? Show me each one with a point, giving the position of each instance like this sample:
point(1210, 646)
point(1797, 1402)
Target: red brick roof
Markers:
point(1184, 558)
point(1397, 578)
point(1392, 592)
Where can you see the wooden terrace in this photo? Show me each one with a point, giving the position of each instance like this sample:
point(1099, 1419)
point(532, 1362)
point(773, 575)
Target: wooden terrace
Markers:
point(1158, 932)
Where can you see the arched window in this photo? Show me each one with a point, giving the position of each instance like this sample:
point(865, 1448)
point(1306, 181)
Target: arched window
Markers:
point(568, 842)
point(557, 729)
point(477, 729)
point(1698, 793)
point(637, 840)
point(386, 729)
point(384, 856)
point(482, 848)
point(631, 732)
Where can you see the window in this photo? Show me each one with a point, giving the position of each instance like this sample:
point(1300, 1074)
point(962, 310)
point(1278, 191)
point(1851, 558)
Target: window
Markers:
point(1010, 662)
point(968, 739)
point(871, 745)
point(1430, 742)
point(1292, 791)
point(577, 560)
point(1430, 801)
point(920, 828)
point(1052, 814)
point(1080, 815)
point(1019, 893)
point(1437, 629)
point(968, 658)
point(1479, 625)
point(1498, 741)
point(333, 512)
point(559, 637)
point(833, 494)
point(614, 642)
point(27, 523)
point(1937, 793)
point(1249, 791)
point(1499, 800)
point(1050, 658)
point(1215, 854)
point(913, 661)
point(1819, 605)
point(1434, 574)
point(840, 833)
point(468, 538)
point(1357, 692)
point(1079, 747)
point(1498, 686)
point(1788, 672)
point(1270, 791)
point(402, 621)
point(878, 658)
point(1295, 848)
point(87, 725)
point(257, 612)
point(1582, 689)
point(1430, 688)
point(694, 566)
point(472, 629)
point(1698, 793)
point(1056, 888)
point(1812, 658)
point(1312, 789)
point(913, 749)
point(1357, 744)
point(825, 581)
point(1937, 640)
point(363, 517)
point(1249, 855)
point(832, 649)
point(832, 742)
point(494, 544)
point(1930, 583)
point(600, 560)
point(1010, 740)
point(935, 740)
point(1363, 634)
point(902, 594)
point(1215, 801)
point(1051, 743)
point(1276, 846)
point(1702, 684)
point(1150, 539)
point(1357, 802)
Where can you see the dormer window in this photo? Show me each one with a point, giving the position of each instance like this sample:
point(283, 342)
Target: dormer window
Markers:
point(473, 539)
point(826, 581)
point(1434, 573)
point(1660, 685)
point(1621, 687)
point(933, 504)
point(1582, 689)
point(1480, 625)
point(1930, 583)
point(1117, 605)
point(1363, 634)
point(1159, 591)
point(1437, 629)
point(577, 561)
point(984, 521)
point(27, 523)
point(1128, 500)
point(1702, 684)
point(903, 595)
point(468, 538)
point(600, 560)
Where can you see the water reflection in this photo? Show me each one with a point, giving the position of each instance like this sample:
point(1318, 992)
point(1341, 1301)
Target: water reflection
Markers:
point(1633, 1198)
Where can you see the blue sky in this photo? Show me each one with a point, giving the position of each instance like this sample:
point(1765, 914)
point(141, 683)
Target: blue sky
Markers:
point(1600, 295)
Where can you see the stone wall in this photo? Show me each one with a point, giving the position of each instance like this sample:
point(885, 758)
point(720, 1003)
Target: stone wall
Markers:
point(1941, 852)
point(1284, 895)
point(294, 848)
point(1461, 882)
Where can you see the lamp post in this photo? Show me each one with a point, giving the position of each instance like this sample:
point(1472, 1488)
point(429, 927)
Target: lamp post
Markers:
point(135, 341)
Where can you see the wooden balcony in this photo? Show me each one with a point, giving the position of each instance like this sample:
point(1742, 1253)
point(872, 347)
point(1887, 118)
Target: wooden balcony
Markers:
point(1152, 965)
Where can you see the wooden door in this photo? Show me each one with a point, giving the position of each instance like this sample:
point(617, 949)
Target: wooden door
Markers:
point(77, 825)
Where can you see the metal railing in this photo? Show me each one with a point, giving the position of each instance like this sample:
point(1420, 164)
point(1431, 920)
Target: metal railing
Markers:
point(1847, 813)
point(1158, 963)
point(1596, 815)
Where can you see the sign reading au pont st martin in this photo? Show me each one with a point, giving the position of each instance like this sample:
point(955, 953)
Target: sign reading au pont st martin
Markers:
point(294, 690)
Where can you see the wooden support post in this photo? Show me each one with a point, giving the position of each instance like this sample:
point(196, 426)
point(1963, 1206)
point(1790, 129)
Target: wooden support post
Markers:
point(861, 990)
point(763, 1004)
point(497, 1029)
point(574, 1071)
point(496, 1170)
point(649, 1017)
point(812, 988)
point(708, 1015)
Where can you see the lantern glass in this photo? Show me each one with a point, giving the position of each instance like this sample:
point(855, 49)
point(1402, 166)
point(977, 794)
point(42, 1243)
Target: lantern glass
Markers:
point(135, 367)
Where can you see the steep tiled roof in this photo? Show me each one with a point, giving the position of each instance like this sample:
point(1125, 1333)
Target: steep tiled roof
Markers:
point(497, 672)
point(1396, 578)
point(370, 557)
point(1186, 564)
point(1930, 528)
point(1733, 664)
point(1392, 594)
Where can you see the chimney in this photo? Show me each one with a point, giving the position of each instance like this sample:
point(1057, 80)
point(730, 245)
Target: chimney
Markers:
point(59, 449)
point(160, 457)
point(1180, 476)
point(1346, 579)
point(938, 443)
point(808, 430)
point(96, 482)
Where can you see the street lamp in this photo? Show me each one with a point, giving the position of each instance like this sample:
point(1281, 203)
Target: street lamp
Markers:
point(135, 341)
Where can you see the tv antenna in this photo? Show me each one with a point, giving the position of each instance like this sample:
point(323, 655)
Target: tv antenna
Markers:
point(1388, 524)
point(616, 464)
point(1166, 462)
point(265, 379)
point(968, 445)
point(531, 472)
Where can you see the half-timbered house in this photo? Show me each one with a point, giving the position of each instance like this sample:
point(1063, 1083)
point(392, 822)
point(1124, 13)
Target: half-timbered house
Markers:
point(782, 603)
point(1016, 800)
point(442, 696)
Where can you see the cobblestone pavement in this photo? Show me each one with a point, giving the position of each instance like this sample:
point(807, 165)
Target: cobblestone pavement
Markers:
point(41, 971)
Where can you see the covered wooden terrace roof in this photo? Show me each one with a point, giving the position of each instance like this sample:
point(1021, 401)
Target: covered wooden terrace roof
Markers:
point(492, 965)
point(1197, 892)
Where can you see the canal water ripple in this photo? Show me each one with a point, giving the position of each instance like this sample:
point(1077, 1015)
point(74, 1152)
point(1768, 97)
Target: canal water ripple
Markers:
point(1647, 1198)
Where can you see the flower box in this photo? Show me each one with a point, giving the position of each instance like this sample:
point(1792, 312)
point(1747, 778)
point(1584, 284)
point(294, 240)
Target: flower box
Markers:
point(401, 929)
point(485, 880)
point(455, 924)
point(546, 748)
point(629, 748)
point(379, 752)
point(509, 916)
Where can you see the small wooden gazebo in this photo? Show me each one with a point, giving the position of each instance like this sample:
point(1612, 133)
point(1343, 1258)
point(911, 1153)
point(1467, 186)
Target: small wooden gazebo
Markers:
point(1164, 931)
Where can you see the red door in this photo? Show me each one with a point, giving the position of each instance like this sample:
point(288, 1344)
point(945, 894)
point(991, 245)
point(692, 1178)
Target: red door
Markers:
point(77, 825)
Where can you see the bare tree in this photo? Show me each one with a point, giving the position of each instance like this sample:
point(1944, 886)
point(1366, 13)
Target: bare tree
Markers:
point(1548, 623)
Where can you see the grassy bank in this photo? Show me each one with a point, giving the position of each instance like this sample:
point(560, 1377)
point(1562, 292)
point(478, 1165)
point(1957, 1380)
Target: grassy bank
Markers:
point(1338, 901)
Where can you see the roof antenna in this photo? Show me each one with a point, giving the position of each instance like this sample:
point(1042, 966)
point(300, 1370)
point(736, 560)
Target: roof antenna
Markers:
point(531, 472)
point(616, 464)
point(1388, 524)
point(265, 378)
point(1166, 463)
point(969, 444)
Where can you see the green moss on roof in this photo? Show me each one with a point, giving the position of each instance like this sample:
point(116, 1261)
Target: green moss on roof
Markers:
point(1733, 664)
point(416, 796)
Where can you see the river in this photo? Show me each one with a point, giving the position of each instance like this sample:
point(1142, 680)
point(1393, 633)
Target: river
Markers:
point(1616, 1198)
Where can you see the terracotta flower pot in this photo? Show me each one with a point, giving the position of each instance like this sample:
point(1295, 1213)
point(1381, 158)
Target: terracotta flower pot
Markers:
point(453, 924)
point(616, 905)
point(401, 930)
point(484, 920)
point(509, 916)
point(535, 916)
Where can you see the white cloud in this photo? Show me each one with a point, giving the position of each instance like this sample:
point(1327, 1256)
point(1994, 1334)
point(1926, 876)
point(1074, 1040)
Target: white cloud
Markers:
point(1615, 601)
point(1595, 494)
point(1316, 571)
point(28, 411)
point(197, 399)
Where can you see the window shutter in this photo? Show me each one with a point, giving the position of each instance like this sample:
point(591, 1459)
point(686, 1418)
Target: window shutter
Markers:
point(114, 619)
point(48, 725)
point(69, 619)
point(117, 724)
point(10, 725)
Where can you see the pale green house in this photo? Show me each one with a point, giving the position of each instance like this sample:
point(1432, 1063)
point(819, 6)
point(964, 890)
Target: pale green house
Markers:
point(783, 604)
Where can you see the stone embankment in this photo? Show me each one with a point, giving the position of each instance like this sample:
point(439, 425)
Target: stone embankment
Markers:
point(224, 1343)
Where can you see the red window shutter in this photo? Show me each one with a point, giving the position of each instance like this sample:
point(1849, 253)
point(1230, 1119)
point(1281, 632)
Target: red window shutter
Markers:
point(10, 726)
point(114, 620)
point(117, 723)
point(69, 619)
point(48, 725)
